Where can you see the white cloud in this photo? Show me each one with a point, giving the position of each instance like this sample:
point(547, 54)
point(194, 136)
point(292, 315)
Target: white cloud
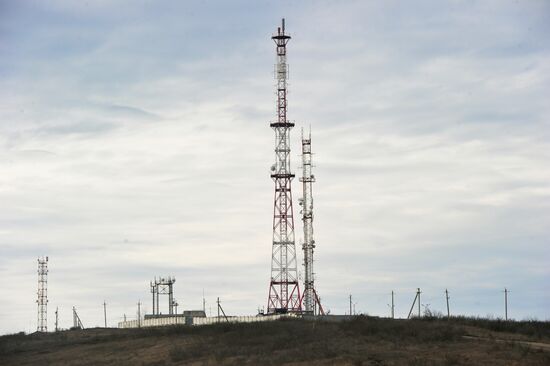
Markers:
point(138, 145)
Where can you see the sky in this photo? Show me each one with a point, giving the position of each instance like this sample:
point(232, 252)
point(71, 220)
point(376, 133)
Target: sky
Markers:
point(135, 142)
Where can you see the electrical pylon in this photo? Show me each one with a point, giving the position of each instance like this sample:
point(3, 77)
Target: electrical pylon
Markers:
point(310, 299)
point(284, 290)
point(42, 301)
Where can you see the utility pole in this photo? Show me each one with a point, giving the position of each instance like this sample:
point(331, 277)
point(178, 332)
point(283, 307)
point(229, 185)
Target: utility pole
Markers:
point(77, 323)
point(105, 312)
point(56, 319)
point(350, 305)
point(317, 312)
point(223, 312)
point(418, 293)
point(447, 298)
point(203, 303)
point(417, 297)
point(392, 306)
point(139, 313)
point(506, 303)
point(154, 288)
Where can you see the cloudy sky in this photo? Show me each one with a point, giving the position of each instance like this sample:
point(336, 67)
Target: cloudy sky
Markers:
point(135, 142)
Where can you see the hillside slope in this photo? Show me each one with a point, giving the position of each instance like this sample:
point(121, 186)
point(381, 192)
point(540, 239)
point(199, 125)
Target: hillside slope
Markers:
point(361, 341)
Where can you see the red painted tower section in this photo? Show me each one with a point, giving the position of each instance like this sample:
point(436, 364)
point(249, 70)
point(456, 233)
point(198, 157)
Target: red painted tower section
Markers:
point(284, 290)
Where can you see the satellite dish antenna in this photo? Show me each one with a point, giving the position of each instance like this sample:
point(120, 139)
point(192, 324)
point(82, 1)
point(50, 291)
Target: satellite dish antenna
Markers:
point(273, 168)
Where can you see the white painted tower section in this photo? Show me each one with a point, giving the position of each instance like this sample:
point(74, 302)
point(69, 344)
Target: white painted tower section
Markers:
point(310, 299)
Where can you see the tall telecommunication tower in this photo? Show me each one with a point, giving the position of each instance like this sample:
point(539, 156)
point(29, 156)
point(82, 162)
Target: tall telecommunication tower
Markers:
point(310, 300)
point(42, 301)
point(284, 290)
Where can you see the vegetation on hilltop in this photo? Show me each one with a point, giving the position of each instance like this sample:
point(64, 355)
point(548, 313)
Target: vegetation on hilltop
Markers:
point(360, 341)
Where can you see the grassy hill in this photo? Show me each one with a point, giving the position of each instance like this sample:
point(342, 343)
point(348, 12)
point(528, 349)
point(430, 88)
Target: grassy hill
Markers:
point(360, 341)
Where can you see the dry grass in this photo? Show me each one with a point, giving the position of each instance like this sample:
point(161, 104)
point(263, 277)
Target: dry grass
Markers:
point(361, 341)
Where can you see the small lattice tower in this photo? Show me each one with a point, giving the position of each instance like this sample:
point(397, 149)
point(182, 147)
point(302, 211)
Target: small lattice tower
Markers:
point(42, 301)
point(163, 286)
point(284, 290)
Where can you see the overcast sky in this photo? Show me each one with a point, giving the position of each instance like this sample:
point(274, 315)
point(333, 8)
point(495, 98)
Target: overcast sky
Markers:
point(135, 142)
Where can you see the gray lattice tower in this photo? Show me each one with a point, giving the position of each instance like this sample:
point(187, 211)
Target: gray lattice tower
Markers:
point(163, 286)
point(42, 301)
point(284, 290)
point(310, 298)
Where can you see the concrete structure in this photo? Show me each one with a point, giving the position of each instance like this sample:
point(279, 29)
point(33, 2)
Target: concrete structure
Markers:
point(190, 320)
point(185, 318)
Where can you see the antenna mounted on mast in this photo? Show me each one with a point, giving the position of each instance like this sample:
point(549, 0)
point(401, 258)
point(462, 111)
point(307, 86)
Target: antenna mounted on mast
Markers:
point(284, 291)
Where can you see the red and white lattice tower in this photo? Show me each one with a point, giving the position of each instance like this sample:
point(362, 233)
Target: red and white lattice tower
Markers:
point(310, 300)
point(284, 290)
point(42, 301)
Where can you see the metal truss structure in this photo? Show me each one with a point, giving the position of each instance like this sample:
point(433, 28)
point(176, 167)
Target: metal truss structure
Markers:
point(284, 290)
point(163, 286)
point(77, 323)
point(310, 300)
point(42, 301)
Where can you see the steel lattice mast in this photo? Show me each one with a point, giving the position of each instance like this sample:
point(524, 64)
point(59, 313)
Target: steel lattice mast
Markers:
point(310, 299)
point(42, 301)
point(284, 290)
